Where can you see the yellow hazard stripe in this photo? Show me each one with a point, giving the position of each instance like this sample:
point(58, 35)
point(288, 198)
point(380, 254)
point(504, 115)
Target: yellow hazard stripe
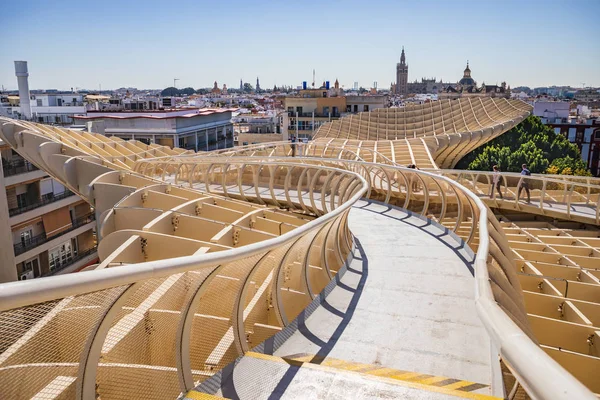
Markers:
point(194, 395)
point(404, 378)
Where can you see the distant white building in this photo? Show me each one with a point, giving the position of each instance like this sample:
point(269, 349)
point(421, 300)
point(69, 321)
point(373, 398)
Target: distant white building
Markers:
point(50, 108)
point(550, 111)
point(198, 129)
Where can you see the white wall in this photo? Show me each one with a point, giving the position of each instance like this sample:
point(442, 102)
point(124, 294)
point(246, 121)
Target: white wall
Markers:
point(551, 109)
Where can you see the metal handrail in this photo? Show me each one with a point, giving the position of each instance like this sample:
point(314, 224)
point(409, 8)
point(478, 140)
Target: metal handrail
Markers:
point(80, 256)
point(49, 200)
point(16, 167)
point(35, 241)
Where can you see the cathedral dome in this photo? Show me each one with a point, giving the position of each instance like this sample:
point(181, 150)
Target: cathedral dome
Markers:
point(466, 79)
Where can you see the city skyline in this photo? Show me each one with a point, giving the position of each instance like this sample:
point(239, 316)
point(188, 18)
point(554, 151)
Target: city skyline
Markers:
point(126, 45)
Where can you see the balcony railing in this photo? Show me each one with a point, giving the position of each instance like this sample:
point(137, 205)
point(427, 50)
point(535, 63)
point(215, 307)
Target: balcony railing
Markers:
point(35, 241)
point(81, 255)
point(45, 200)
point(16, 167)
point(317, 115)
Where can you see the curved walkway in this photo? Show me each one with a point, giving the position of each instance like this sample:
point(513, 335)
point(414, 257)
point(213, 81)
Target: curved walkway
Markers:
point(404, 307)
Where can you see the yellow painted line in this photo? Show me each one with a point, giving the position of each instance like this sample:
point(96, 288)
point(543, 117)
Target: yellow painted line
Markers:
point(384, 372)
point(405, 376)
point(194, 395)
point(432, 380)
point(390, 380)
point(458, 385)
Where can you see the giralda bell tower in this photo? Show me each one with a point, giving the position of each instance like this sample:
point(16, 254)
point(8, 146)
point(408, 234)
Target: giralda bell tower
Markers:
point(402, 75)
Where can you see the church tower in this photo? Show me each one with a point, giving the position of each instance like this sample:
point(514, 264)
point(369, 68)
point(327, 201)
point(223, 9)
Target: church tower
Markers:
point(257, 85)
point(402, 75)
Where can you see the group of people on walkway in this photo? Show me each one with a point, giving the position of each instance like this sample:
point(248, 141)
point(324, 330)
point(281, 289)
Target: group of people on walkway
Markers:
point(522, 185)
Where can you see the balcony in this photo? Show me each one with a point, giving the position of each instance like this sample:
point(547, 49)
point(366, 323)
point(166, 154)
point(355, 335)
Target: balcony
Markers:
point(18, 166)
point(45, 200)
point(310, 115)
point(80, 256)
point(35, 241)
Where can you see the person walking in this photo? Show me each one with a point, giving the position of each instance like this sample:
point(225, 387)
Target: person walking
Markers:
point(496, 182)
point(293, 146)
point(524, 183)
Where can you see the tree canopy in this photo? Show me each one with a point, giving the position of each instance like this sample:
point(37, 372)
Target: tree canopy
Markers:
point(532, 143)
point(248, 87)
point(170, 91)
point(173, 91)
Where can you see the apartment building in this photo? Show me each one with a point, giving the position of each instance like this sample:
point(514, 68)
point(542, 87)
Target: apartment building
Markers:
point(584, 132)
point(190, 128)
point(49, 108)
point(311, 108)
point(51, 230)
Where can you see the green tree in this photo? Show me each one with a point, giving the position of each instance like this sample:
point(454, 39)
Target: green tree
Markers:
point(568, 166)
point(532, 143)
point(248, 88)
point(170, 91)
point(187, 91)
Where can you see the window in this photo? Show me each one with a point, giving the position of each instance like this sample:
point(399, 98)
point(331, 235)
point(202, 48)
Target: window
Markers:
point(597, 134)
point(60, 256)
point(39, 102)
point(299, 110)
point(366, 107)
point(348, 108)
point(74, 100)
point(22, 200)
point(29, 269)
point(26, 236)
point(31, 265)
point(356, 108)
point(59, 102)
point(290, 110)
point(326, 110)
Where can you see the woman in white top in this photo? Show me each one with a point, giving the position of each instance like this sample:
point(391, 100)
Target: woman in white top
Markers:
point(496, 181)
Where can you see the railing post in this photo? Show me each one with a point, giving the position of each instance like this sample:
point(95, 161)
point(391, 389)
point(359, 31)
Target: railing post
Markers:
point(570, 198)
point(542, 197)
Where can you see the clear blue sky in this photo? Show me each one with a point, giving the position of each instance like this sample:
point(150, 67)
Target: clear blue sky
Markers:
point(146, 44)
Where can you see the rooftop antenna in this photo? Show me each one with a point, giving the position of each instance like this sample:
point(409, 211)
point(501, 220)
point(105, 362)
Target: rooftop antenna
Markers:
point(313, 82)
point(175, 82)
point(583, 85)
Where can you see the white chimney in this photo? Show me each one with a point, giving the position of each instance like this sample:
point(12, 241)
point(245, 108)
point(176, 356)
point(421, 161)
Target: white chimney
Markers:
point(22, 80)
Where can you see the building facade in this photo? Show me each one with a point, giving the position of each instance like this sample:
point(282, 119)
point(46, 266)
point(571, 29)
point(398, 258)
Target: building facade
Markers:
point(584, 132)
point(45, 228)
point(51, 230)
point(192, 129)
point(311, 108)
point(48, 108)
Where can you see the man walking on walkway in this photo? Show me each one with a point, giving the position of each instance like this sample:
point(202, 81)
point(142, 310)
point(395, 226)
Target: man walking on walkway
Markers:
point(496, 182)
point(524, 183)
point(293, 146)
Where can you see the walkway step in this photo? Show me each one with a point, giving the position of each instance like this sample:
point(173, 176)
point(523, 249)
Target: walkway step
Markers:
point(372, 378)
point(380, 371)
